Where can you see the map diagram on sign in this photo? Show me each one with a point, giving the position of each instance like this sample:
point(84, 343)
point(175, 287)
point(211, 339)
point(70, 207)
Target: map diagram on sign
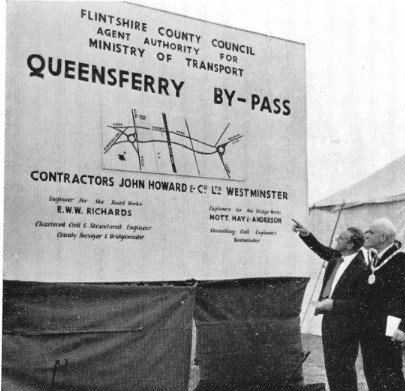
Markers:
point(165, 143)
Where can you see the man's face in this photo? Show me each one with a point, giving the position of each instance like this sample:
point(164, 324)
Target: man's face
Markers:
point(373, 237)
point(367, 240)
point(343, 241)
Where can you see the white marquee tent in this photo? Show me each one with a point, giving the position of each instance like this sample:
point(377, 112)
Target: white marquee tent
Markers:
point(382, 194)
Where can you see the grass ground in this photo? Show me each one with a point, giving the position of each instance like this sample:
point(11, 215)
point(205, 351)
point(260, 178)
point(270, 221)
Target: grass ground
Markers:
point(313, 368)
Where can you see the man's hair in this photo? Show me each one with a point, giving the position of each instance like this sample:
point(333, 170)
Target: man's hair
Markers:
point(356, 238)
point(386, 227)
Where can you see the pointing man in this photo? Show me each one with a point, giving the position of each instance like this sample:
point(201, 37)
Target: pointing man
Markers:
point(340, 301)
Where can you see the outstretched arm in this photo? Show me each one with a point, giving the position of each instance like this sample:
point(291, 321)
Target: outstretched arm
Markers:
point(325, 252)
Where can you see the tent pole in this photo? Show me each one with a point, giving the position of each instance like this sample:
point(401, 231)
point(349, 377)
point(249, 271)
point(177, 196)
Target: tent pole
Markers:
point(324, 262)
point(336, 224)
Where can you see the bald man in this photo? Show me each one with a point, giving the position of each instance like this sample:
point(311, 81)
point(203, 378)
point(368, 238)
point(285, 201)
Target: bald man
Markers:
point(382, 355)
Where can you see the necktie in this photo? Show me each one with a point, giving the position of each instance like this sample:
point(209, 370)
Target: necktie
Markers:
point(328, 286)
point(373, 258)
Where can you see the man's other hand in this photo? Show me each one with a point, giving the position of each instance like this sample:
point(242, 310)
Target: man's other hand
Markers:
point(324, 305)
point(398, 336)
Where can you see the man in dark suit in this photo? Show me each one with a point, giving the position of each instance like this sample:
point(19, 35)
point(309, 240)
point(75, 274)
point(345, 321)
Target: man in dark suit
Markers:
point(382, 356)
point(343, 287)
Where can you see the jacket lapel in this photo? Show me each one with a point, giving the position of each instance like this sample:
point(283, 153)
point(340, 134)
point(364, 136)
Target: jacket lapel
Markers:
point(351, 270)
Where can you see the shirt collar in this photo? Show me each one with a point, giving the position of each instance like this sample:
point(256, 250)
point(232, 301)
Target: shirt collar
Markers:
point(349, 258)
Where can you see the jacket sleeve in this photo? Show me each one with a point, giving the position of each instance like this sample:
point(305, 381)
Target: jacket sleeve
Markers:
point(325, 252)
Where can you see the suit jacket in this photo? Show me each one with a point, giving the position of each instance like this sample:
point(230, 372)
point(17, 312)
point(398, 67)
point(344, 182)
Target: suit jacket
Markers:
point(387, 295)
point(349, 293)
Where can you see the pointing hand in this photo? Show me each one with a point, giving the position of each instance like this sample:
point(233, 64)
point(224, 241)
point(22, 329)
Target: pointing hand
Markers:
point(298, 227)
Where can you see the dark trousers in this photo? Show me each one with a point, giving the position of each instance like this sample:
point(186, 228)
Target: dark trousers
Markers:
point(382, 361)
point(340, 351)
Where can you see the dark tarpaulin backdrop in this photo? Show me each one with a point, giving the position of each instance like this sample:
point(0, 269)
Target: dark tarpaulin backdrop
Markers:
point(113, 336)
point(138, 338)
point(248, 333)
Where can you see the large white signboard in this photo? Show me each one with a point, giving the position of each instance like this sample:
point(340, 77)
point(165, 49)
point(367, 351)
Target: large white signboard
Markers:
point(142, 145)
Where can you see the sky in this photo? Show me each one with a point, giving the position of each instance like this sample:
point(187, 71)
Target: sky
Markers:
point(355, 76)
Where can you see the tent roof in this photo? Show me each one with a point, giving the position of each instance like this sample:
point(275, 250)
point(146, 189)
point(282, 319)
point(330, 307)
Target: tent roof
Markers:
point(385, 185)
